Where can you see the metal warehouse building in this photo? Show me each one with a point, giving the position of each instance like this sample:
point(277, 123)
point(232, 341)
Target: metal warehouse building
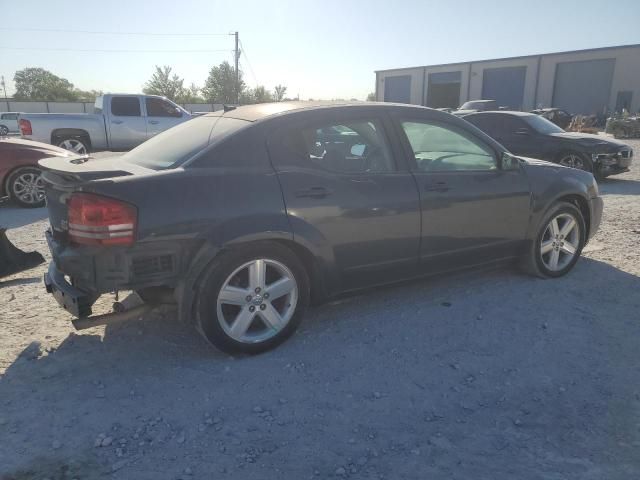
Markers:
point(581, 81)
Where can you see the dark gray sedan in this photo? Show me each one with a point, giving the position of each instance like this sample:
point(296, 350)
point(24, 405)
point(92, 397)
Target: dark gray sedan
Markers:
point(244, 217)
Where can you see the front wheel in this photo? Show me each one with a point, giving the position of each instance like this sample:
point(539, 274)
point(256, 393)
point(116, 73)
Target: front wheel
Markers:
point(558, 243)
point(4, 130)
point(253, 299)
point(575, 160)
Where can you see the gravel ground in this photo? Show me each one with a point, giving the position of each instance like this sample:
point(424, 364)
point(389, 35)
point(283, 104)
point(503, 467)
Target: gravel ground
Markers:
point(489, 375)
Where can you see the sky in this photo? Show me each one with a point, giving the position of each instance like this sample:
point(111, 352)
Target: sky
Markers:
point(325, 49)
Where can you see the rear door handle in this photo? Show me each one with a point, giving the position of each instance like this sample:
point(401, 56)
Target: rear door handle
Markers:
point(153, 122)
point(436, 187)
point(313, 192)
point(117, 122)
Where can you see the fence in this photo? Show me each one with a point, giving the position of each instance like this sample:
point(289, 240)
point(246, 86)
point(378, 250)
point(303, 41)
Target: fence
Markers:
point(83, 107)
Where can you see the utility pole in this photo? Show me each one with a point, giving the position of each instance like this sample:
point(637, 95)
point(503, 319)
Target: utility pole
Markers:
point(4, 86)
point(237, 57)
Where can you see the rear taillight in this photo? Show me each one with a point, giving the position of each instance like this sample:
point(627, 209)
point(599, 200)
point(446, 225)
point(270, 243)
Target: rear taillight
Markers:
point(97, 220)
point(25, 127)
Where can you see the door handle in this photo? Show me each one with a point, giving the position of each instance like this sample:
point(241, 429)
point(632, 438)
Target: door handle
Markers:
point(313, 192)
point(436, 187)
point(117, 122)
point(153, 122)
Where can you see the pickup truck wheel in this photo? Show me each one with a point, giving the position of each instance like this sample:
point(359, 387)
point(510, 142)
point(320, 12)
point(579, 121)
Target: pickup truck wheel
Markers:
point(252, 299)
point(26, 187)
point(77, 145)
point(4, 130)
point(558, 243)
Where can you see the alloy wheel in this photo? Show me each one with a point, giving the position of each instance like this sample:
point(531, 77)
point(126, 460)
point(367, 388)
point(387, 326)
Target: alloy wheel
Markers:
point(73, 145)
point(560, 242)
point(257, 301)
point(572, 160)
point(28, 187)
point(3, 130)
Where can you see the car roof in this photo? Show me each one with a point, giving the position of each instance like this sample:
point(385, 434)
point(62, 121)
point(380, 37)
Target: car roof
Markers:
point(262, 111)
point(513, 113)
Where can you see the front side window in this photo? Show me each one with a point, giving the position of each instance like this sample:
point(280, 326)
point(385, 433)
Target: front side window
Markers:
point(157, 107)
point(354, 147)
point(542, 125)
point(125, 106)
point(440, 149)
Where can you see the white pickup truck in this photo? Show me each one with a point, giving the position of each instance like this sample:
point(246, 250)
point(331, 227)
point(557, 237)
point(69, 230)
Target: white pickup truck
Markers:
point(120, 122)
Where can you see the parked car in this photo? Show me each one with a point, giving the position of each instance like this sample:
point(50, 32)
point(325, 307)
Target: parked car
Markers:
point(120, 122)
point(560, 117)
point(475, 106)
point(20, 174)
point(242, 217)
point(8, 123)
point(533, 136)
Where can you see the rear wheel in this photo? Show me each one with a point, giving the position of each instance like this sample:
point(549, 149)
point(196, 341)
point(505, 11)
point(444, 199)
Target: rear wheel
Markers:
point(26, 187)
point(559, 242)
point(78, 145)
point(253, 299)
point(4, 130)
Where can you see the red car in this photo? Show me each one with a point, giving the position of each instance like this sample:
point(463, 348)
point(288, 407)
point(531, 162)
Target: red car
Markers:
point(19, 171)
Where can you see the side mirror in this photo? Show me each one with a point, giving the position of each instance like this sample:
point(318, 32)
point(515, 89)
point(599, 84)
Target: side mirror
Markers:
point(509, 162)
point(522, 131)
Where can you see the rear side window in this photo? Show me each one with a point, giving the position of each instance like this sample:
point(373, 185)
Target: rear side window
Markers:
point(9, 116)
point(487, 123)
point(353, 146)
point(175, 146)
point(125, 106)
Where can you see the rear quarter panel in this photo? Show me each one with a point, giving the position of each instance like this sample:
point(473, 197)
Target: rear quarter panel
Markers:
point(44, 125)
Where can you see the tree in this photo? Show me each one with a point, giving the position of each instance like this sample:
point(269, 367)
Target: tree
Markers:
point(191, 94)
point(262, 95)
point(279, 92)
point(87, 95)
point(221, 87)
point(371, 97)
point(162, 83)
point(40, 84)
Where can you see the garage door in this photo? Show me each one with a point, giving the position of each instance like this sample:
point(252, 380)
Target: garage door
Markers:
point(583, 87)
point(397, 89)
point(504, 85)
point(444, 90)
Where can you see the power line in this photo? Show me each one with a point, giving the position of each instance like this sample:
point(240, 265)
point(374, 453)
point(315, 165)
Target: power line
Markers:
point(103, 50)
point(94, 32)
point(244, 51)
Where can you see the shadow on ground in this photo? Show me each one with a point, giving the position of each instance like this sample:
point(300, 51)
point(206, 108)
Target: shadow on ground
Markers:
point(487, 375)
point(619, 186)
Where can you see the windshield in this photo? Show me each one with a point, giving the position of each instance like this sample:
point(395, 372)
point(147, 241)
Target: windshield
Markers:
point(542, 125)
point(178, 144)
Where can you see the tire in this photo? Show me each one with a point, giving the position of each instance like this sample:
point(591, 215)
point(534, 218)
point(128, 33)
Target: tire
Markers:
point(4, 130)
point(575, 160)
point(75, 144)
point(26, 187)
point(234, 322)
point(540, 264)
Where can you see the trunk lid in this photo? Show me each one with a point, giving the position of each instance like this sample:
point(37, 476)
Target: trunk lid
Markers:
point(65, 175)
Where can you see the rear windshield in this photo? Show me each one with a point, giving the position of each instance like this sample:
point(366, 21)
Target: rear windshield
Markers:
point(178, 144)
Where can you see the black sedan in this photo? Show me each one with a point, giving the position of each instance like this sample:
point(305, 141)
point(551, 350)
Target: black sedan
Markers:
point(243, 217)
point(533, 136)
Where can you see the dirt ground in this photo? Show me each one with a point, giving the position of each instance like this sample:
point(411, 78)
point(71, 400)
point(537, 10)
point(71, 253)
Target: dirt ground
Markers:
point(490, 375)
